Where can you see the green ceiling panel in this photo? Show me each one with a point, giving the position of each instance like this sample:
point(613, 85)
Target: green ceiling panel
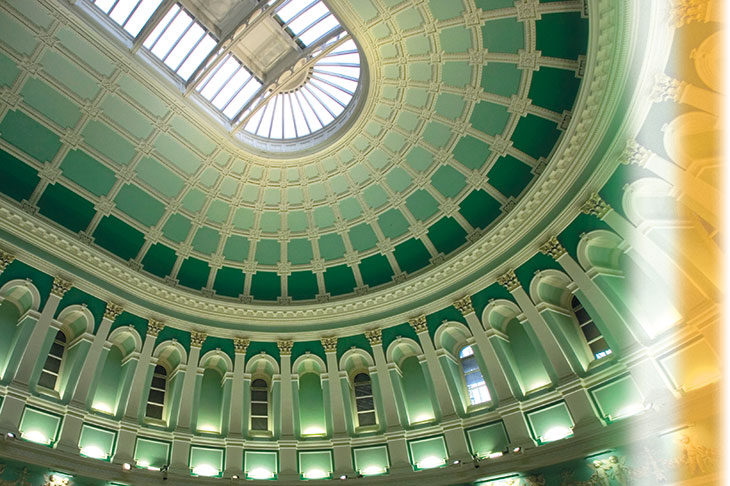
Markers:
point(324, 217)
point(359, 173)
point(420, 71)
point(193, 273)
point(33, 12)
point(417, 45)
point(177, 228)
point(294, 195)
point(144, 97)
point(17, 179)
point(228, 186)
point(339, 184)
point(159, 177)
point(270, 221)
point(108, 142)
point(218, 211)
point(88, 173)
point(339, 280)
point(408, 18)
point(302, 285)
point(375, 196)
point(51, 103)
point(331, 246)
point(411, 255)
point(126, 116)
point(159, 260)
point(471, 152)
point(118, 237)
point(206, 240)
point(535, 136)
point(362, 237)
point(394, 141)
point(447, 235)
point(503, 35)
point(480, 209)
point(66, 208)
point(194, 200)
point(268, 252)
point(179, 155)
point(509, 176)
point(192, 135)
point(229, 281)
point(554, 89)
point(398, 179)
point(450, 105)
point(272, 196)
point(297, 221)
point(376, 270)
point(436, 134)
point(250, 193)
point(489, 118)
point(265, 286)
point(446, 9)
point(456, 73)
point(299, 251)
point(408, 121)
point(350, 208)
point(88, 54)
point(392, 223)
point(317, 191)
point(455, 39)
point(29, 136)
point(501, 78)
point(8, 70)
point(562, 35)
point(139, 205)
point(419, 159)
point(365, 9)
point(243, 219)
point(58, 67)
point(416, 97)
point(448, 181)
point(16, 36)
point(494, 4)
point(422, 205)
point(236, 248)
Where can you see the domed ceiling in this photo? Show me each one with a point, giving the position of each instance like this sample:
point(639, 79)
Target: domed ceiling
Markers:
point(464, 104)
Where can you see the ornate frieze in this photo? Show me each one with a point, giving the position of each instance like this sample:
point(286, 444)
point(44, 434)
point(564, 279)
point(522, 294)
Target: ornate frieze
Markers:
point(60, 287)
point(5, 260)
point(375, 336)
point(112, 311)
point(285, 347)
point(197, 339)
point(241, 344)
point(596, 206)
point(508, 280)
point(154, 327)
point(464, 305)
point(330, 344)
point(553, 248)
point(418, 323)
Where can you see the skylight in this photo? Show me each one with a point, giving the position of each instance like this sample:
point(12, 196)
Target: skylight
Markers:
point(306, 88)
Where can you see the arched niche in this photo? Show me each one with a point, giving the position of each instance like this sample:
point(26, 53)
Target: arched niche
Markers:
point(414, 390)
point(308, 369)
point(171, 356)
point(19, 299)
point(122, 347)
point(360, 391)
point(262, 370)
point(516, 347)
point(213, 391)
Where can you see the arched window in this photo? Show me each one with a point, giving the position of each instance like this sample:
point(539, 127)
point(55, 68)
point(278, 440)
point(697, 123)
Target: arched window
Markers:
point(364, 403)
point(52, 366)
point(594, 338)
point(475, 384)
point(259, 405)
point(156, 398)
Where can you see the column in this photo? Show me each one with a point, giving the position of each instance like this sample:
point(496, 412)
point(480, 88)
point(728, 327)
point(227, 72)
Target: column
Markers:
point(287, 452)
point(626, 336)
point(37, 337)
point(549, 344)
point(484, 345)
point(68, 439)
point(581, 409)
point(375, 337)
point(516, 426)
point(91, 363)
point(136, 390)
point(180, 454)
point(188, 389)
point(340, 441)
point(234, 445)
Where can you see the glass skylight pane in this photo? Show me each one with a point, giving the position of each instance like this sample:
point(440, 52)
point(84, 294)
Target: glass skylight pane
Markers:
point(289, 131)
point(347, 71)
point(291, 8)
point(326, 95)
point(308, 112)
point(318, 107)
point(319, 30)
point(345, 84)
point(140, 16)
point(220, 78)
point(254, 121)
point(122, 10)
point(348, 45)
point(196, 57)
point(277, 126)
point(171, 35)
point(265, 125)
point(299, 122)
point(344, 58)
point(104, 5)
point(307, 18)
point(230, 88)
point(183, 48)
point(242, 97)
point(157, 31)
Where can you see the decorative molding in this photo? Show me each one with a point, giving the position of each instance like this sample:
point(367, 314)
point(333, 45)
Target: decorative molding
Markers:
point(636, 154)
point(464, 305)
point(685, 12)
point(5, 260)
point(60, 287)
point(418, 323)
point(154, 327)
point(375, 336)
point(596, 206)
point(553, 248)
point(330, 344)
point(112, 311)
point(197, 339)
point(509, 280)
point(285, 347)
point(241, 344)
point(667, 89)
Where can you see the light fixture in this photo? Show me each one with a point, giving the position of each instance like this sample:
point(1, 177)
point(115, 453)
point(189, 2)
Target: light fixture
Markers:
point(126, 466)
point(456, 461)
point(235, 476)
point(102, 407)
point(93, 452)
point(143, 463)
point(556, 433)
point(430, 462)
point(495, 455)
point(57, 479)
point(314, 431)
point(260, 473)
point(315, 474)
point(36, 436)
point(517, 450)
point(628, 411)
point(208, 428)
point(422, 419)
point(372, 470)
point(343, 477)
point(205, 470)
point(10, 435)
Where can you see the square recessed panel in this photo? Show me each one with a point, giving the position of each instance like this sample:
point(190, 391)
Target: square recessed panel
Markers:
point(422, 205)
point(489, 118)
point(17, 179)
point(562, 35)
point(501, 78)
point(229, 281)
point(236, 248)
point(471, 152)
point(339, 280)
point(448, 181)
point(504, 35)
point(29, 136)
point(376, 270)
point(509, 176)
point(535, 136)
point(362, 237)
point(331, 246)
point(455, 39)
point(88, 173)
point(299, 251)
point(554, 89)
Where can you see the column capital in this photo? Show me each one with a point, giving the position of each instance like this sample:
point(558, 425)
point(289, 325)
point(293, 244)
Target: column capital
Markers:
point(330, 344)
point(112, 311)
point(508, 280)
point(553, 248)
point(418, 323)
point(635, 153)
point(285, 346)
point(375, 336)
point(685, 12)
point(197, 339)
point(596, 206)
point(154, 327)
point(60, 287)
point(241, 344)
point(464, 305)
point(5, 260)
point(667, 88)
